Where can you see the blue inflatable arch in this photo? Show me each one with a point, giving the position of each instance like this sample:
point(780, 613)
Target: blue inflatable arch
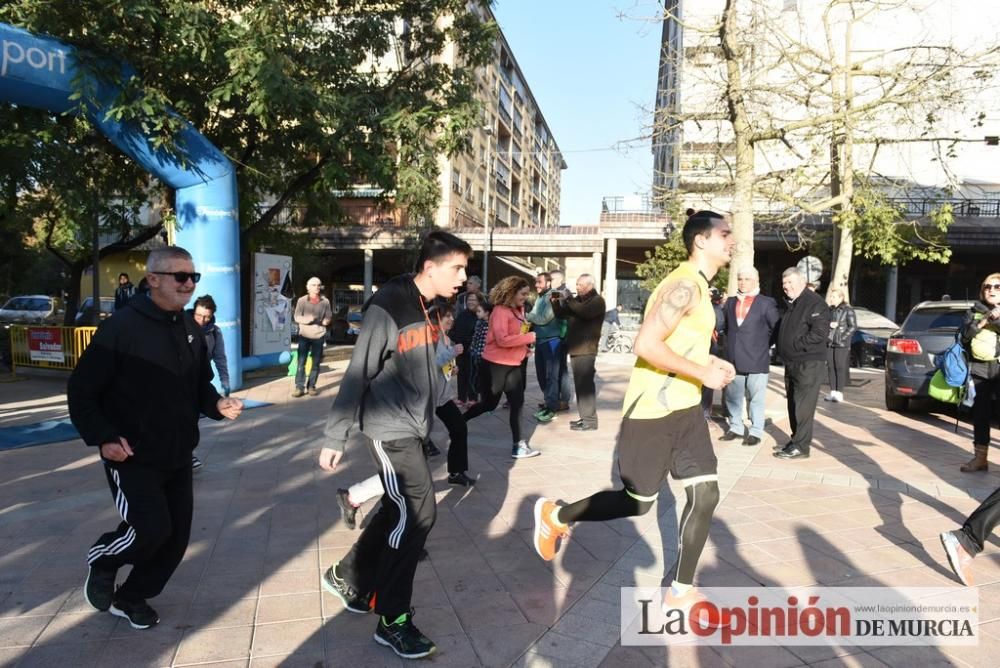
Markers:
point(38, 72)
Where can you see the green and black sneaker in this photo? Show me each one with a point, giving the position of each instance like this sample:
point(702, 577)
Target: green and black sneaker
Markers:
point(352, 600)
point(403, 637)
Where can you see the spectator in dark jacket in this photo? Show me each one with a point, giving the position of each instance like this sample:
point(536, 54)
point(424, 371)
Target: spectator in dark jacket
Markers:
point(843, 323)
point(136, 394)
point(585, 315)
point(750, 321)
point(981, 338)
point(124, 292)
point(718, 348)
point(802, 335)
point(461, 333)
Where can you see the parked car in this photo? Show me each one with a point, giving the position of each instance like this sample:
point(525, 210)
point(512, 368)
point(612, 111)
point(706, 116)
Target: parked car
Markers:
point(929, 329)
point(32, 310)
point(870, 338)
point(85, 315)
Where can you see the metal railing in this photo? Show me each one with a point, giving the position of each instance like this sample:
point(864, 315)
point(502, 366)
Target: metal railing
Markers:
point(48, 347)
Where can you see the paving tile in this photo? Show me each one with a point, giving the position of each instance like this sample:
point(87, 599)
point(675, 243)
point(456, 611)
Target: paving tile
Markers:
point(16, 631)
point(288, 637)
point(224, 644)
point(289, 607)
point(78, 655)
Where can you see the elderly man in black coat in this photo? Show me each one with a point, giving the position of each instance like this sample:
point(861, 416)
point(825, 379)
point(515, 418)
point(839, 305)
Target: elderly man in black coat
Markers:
point(802, 335)
point(750, 321)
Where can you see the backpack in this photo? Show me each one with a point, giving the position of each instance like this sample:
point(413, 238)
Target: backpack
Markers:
point(953, 366)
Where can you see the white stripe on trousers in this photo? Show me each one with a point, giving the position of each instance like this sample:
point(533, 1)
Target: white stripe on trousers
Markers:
point(392, 489)
point(123, 542)
point(116, 547)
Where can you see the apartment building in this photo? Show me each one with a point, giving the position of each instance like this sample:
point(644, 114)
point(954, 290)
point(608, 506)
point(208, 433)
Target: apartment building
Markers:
point(515, 167)
point(513, 170)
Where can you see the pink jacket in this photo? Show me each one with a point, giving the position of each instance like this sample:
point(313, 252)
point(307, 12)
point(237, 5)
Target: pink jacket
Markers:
point(505, 344)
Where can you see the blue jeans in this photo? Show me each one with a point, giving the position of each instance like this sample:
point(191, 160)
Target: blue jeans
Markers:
point(547, 369)
point(312, 347)
point(747, 388)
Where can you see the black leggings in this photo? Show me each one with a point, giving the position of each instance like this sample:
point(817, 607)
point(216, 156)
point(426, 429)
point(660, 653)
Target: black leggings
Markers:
point(702, 497)
point(494, 381)
point(458, 436)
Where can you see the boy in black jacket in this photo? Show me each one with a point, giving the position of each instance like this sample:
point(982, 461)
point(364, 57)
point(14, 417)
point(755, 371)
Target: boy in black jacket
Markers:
point(391, 389)
point(136, 394)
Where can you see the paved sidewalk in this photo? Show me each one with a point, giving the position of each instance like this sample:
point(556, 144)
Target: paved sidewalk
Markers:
point(864, 510)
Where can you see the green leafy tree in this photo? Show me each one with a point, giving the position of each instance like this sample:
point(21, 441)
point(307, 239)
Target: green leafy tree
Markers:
point(306, 97)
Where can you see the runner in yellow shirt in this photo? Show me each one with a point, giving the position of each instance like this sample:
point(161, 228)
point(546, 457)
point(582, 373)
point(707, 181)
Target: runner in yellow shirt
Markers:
point(663, 429)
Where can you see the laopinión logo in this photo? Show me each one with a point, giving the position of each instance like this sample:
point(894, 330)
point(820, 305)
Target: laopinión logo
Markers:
point(804, 616)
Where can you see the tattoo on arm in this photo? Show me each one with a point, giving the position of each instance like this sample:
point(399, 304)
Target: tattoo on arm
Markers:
point(674, 301)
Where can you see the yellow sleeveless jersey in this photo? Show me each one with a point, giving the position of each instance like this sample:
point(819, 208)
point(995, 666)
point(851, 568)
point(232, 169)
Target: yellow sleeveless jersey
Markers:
point(653, 393)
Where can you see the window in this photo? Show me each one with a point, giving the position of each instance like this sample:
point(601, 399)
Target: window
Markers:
point(456, 180)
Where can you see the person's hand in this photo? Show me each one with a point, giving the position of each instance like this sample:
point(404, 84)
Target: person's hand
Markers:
point(727, 367)
point(994, 314)
point(229, 407)
point(326, 323)
point(459, 348)
point(116, 451)
point(329, 458)
point(714, 377)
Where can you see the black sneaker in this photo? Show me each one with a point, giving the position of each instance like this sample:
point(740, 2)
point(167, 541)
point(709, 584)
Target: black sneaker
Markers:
point(99, 590)
point(347, 511)
point(404, 638)
point(352, 600)
point(460, 479)
point(138, 613)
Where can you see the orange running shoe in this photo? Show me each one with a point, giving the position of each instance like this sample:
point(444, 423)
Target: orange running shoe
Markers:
point(547, 533)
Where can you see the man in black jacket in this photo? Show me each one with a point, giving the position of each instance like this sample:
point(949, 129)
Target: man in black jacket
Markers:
point(585, 315)
point(390, 390)
point(802, 335)
point(750, 321)
point(136, 394)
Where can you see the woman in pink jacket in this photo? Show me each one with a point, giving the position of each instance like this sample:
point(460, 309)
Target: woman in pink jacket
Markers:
point(506, 350)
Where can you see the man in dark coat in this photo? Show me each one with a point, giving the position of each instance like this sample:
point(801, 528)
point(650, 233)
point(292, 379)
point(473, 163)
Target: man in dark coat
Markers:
point(802, 335)
point(585, 315)
point(750, 321)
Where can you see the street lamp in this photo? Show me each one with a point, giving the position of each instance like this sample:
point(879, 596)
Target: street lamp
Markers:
point(488, 131)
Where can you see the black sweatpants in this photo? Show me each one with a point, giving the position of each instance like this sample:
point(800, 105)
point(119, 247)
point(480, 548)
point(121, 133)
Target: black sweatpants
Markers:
point(496, 380)
point(802, 381)
point(458, 434)
point(466, 390)
point(156, 509)
point(980, 524)
point(384, 558)
point(982, 409)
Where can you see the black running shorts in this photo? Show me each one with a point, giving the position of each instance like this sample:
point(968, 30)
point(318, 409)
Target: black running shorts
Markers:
point(678, 444)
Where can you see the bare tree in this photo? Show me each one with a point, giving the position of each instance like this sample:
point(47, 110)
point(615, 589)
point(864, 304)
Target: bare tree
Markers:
point(784, 100)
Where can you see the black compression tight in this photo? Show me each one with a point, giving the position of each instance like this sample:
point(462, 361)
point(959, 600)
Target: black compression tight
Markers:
point(702, 498)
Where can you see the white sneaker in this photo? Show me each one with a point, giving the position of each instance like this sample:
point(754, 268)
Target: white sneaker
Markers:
point(522, 450)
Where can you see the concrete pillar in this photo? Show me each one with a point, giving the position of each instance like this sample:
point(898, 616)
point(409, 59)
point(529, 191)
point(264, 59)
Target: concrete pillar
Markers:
point(611, 276)
point(891, 290)
point(596, 271)
point(369, 272)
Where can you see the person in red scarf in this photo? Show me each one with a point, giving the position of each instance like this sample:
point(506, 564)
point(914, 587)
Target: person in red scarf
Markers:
point(750, 321)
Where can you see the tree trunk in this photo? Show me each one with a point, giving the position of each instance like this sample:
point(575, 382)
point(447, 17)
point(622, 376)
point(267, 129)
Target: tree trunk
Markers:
point(743, 180)
point(841, 273)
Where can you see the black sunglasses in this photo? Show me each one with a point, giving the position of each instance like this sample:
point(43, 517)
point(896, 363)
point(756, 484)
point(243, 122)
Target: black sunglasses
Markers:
point(180, 276)
point(988, 286)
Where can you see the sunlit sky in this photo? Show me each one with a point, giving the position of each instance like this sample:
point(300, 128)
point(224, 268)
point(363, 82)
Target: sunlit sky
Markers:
point(591, 67)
